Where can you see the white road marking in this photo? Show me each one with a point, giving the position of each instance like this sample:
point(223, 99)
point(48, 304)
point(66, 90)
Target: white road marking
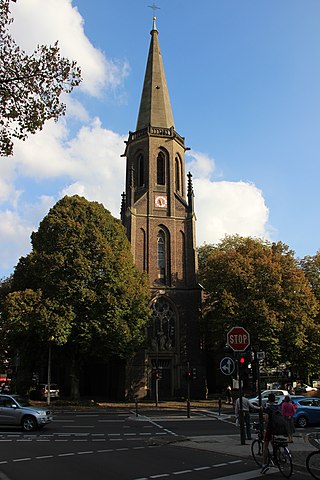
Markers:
point(161, 476)
point(111, 421)
point(78, 426)
point(86, 416)
point(181, 472)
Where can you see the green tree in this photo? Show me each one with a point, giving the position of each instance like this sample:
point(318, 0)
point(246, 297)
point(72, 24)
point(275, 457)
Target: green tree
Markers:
point(258, 285)
point(311, 268)
point(5, 354)
point(79, 287)
point(30, 85)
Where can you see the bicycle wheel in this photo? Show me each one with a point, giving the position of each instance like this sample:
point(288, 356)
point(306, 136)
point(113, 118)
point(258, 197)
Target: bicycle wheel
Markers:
point(313, 464)
point(283, 460)
point(256, 451)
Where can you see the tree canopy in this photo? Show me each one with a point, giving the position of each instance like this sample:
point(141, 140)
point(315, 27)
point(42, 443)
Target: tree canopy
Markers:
point(78, 287)
point(260, 286)
point(30, 85)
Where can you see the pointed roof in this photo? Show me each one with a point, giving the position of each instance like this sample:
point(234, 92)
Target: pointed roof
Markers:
point(155, 107)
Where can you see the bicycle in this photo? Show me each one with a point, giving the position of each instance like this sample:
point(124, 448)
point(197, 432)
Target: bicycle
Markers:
point(280, 456)
point(313, 459)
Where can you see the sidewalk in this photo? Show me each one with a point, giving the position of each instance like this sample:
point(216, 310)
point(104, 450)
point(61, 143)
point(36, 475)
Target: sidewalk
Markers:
point(231, 445)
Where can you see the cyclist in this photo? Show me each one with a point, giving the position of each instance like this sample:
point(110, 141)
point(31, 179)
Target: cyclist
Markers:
point(270, 408)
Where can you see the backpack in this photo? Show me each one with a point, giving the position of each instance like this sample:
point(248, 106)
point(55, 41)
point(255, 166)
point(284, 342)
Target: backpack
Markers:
point(278, 423)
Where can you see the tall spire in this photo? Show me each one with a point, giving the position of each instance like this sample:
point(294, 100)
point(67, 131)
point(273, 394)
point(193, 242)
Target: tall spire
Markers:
point(155, 106)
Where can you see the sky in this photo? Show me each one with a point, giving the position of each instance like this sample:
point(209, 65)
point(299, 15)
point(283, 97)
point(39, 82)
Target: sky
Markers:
point(244, 84)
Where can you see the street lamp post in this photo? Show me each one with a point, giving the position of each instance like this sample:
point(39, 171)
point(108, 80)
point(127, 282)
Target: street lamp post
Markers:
point(51, 339)
point(49, 374)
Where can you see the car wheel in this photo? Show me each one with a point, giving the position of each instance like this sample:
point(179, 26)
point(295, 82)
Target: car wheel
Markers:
point(302, 422)
point(29, 423)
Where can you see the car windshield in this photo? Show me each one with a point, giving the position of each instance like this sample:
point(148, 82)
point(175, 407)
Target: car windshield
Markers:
point(22, 401)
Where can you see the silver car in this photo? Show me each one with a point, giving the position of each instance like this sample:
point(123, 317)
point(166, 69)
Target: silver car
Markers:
point(279, 394)
point(17, 411)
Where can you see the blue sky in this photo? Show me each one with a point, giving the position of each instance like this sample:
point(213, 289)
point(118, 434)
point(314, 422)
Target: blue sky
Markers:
point(244, 82)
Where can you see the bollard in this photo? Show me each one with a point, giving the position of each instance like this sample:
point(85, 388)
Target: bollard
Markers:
point(188, 408)
point(220, 406)
point(136, 403)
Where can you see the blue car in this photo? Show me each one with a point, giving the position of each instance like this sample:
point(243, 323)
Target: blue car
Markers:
point(307, 411)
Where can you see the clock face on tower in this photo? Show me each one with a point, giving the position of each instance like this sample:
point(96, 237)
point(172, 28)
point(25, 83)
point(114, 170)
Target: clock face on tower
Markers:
point(160, 201)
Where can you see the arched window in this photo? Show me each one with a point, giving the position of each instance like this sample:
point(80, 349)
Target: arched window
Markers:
point(140, 179)
point(164, 325)
point(163, 256)
point(144, 250)
point(161, 249)
point(161, 169)
point(177, 174)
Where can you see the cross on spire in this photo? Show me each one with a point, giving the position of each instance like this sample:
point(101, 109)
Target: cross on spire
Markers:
point(154, 8)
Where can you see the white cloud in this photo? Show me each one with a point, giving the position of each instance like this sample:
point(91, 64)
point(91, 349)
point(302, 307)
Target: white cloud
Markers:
point(36, 22)
point(226, 208)
point(200, 164)
point(99, 169)
point(15, 240)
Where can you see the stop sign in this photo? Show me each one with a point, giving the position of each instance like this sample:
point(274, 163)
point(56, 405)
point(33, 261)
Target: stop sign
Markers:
point(238, 339)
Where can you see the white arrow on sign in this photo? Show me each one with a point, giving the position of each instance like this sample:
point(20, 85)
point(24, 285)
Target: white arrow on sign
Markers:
point(227, 365)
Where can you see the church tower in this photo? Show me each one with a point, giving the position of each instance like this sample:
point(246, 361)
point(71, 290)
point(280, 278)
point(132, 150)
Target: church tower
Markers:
point(158, 214)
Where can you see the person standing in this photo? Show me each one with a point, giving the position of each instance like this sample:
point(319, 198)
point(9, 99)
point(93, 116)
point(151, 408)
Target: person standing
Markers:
point(229, 395)
point(287, 413)
point(246, 414)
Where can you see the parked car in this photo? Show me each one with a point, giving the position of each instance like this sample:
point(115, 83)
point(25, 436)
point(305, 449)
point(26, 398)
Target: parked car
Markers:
point(307, 411)
point(16, 410)
point(304, 388)
point(279, 394)
point(40, 392)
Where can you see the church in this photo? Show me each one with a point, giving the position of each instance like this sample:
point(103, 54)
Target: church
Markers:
point(158, 213)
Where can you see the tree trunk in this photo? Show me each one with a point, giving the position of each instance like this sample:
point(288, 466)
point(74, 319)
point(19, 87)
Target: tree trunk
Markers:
point(74, 378)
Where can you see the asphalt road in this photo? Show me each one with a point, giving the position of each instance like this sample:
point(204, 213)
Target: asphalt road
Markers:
point(120, 446)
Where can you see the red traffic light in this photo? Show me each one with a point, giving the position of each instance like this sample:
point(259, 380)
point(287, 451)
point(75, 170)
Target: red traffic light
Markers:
point(242, 360)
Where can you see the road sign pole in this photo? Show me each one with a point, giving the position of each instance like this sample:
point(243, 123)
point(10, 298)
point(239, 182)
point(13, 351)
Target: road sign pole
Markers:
point(238, 340)
point(241, 419)
point(157, 391)
point(188, 393)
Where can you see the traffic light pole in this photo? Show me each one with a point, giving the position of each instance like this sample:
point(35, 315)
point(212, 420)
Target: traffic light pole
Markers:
point(157, 390)
point(257, 363)
point(241, 417)
point(188, 393)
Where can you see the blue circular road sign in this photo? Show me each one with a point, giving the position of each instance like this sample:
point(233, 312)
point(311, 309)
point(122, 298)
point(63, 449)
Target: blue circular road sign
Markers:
point(227, 366)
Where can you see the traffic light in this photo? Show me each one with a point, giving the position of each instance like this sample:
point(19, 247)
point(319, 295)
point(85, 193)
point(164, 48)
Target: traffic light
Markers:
point(245, 360)
point(189, 375)
point(158, 374)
